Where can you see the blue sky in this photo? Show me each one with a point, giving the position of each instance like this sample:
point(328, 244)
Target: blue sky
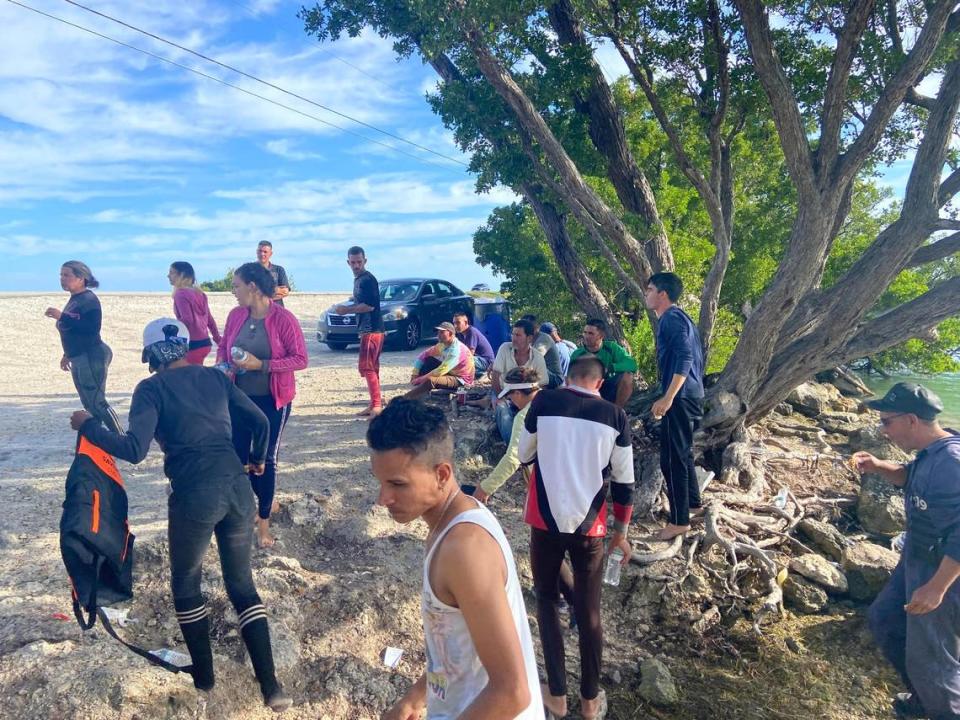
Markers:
point(127, 163)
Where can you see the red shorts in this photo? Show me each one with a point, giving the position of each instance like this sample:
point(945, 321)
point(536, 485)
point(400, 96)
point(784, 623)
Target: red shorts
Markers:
point(371, 345)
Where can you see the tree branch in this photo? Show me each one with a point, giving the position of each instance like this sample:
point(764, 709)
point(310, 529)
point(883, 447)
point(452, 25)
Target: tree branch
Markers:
point(783, 103)
point(948, 188)
point(935, 251)
point(835, 96)
point(895, 91)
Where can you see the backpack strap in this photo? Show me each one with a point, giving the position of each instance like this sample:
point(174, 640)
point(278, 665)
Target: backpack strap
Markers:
point(145, 654)
point(91, 619)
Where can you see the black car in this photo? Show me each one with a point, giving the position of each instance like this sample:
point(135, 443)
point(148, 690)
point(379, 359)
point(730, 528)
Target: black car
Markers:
point(411, 307)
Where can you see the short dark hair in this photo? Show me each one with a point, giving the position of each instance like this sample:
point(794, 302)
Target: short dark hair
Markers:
point(526, 326)
point(532, 318)
point(598, 324)
point(254, 272)
point(265, 243)
point(356, 250)
point(184, 269)
point(413, 427)
point(461, 313)
point(522, 374)
point(586, 367)
point(668, 282)
point(82, 271)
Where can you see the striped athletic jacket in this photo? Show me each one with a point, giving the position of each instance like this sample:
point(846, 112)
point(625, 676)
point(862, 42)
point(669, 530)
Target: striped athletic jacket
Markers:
point(579, 445)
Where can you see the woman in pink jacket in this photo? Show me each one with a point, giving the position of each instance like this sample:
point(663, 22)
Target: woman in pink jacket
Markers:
point(191, 308)
point(273, 347)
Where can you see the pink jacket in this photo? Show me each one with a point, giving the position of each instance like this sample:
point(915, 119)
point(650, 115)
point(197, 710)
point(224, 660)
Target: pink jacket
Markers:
point(287, 346)
point(191, 308)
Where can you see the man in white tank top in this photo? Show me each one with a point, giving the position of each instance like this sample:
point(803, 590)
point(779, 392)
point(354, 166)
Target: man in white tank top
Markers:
point(480, 661)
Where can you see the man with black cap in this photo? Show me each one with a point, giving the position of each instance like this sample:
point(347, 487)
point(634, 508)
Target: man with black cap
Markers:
point(915, 617)
point(448, 364)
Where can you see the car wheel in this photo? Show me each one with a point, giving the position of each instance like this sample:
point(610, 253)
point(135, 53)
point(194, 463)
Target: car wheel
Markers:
point(410, 334)
point(338, 346)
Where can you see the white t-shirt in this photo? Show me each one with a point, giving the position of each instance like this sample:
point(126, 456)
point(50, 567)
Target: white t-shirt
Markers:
point(506, 361)
point(455, 675)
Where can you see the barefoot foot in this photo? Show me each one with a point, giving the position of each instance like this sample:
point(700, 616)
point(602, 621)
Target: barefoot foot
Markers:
point(671, 531)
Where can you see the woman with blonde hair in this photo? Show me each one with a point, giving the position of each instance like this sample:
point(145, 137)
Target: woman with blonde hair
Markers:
point(85, 355)
point(191, 308)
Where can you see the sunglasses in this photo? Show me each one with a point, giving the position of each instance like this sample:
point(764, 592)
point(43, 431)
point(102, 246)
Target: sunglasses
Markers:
point(885, 421)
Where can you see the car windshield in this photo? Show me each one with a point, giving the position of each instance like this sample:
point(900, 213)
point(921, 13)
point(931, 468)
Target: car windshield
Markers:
point(400, 291)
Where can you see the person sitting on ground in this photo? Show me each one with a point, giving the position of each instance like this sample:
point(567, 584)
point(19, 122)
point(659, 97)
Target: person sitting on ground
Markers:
point(476, 341)
point(619, 368)
point(448, 364)
point(188, 409)
point(480, 659)
point(545, 345)
point(564, 347)
point(518, 352)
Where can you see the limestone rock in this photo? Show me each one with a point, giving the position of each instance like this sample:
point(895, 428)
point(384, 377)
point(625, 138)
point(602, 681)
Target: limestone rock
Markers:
point(880, 507)
point(870, 438)
point(649, 482)
point(812, 399)
point(821, 571)
point(868, 567)
point(803, 596)
point(824, 537)
point(656, 683)
point(307, 511)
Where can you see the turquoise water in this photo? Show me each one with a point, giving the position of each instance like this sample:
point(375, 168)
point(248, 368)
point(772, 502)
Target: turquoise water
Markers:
point(945, 385)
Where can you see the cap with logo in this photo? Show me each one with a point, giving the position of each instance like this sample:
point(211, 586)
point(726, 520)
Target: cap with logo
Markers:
point(165, 340)
point(446, 326)
point(905, 397)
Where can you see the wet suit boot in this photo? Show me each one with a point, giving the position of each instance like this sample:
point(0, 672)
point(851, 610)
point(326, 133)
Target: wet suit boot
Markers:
point(195, 626)
point(256, 636)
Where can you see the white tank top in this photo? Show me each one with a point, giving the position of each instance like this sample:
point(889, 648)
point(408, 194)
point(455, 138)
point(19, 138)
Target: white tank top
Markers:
point(455, 675)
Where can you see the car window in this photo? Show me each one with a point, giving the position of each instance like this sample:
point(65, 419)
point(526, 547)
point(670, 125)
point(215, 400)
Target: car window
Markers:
point(398, 292)
point(429, 288)
point(443, 289)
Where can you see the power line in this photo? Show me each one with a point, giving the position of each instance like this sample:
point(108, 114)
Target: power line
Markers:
point(263, 82)
point(227, 84)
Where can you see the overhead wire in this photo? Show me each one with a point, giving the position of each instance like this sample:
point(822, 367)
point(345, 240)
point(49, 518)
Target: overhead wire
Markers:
point(225, 83)
point(267, 83)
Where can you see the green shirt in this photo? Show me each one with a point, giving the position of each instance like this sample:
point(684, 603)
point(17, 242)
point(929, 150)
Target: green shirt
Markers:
point(614, 357)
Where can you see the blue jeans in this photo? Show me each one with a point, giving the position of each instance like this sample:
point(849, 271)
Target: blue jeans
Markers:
point(480, 366)
point(89, 372)
point(504, 414)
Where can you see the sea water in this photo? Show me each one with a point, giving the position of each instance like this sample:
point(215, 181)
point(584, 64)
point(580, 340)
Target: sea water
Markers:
point(945, 385)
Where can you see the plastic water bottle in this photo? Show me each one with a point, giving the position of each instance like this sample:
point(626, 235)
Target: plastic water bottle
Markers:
point(780, 501)
point(238, 355)
point(172, 656)
point(611, 574)
point(224, 367)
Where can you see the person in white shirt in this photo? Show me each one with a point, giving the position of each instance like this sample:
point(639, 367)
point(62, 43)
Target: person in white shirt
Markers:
point(519, 352)
point(480, 660)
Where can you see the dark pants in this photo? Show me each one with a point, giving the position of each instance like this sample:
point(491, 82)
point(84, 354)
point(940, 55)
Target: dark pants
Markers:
point(676, 457)
point(89, 372)
point(924, 649)
point(547, 551)
point(608, 391)
point(264, 486)
point(199, 509)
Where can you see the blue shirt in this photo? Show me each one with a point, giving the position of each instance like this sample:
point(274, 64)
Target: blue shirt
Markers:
point(932, 495)
point(477, 342)
point(679, 352)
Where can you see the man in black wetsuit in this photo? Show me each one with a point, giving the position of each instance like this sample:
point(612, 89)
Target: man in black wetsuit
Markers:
point(187, 408)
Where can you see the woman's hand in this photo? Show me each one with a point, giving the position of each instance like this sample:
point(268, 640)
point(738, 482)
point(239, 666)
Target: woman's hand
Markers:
point(255, 468)
point(65, 363)
point(52, 312)
point(251, 362)
point(78, 418)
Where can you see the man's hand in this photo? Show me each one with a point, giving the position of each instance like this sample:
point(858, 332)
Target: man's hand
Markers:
point(52, 312)
point(619, 540)
point(660, 407)
point(864, 462)
point(926, 598)
point(65, 363)
point(255, 468)
point(78, 418)
point(252, 362)
point(480, 495)
point(342, 309)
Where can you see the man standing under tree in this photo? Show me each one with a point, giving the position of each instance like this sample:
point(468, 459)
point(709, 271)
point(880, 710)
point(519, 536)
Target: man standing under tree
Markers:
point(480, 660)
point(366, 304)
point(264, 253)
point(914, 618)
point(680, 361)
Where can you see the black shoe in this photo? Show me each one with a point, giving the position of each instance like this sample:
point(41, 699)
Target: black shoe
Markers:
point(278, 700)
point(907, 706)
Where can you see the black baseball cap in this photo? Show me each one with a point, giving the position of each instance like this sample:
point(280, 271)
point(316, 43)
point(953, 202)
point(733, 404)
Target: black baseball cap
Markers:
point(910, 398)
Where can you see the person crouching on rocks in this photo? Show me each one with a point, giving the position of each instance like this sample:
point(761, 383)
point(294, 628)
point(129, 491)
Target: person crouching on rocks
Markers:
point(188, 409)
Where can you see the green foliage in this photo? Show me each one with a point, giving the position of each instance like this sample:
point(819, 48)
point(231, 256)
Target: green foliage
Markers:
point(224, 284)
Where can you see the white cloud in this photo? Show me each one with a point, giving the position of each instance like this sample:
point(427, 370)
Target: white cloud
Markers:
point(287, 149)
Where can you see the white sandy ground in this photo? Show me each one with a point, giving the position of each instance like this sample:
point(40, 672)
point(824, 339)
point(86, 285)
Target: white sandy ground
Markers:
point(339, 593)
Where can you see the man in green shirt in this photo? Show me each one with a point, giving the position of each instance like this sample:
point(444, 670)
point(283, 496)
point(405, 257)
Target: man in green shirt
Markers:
point(619, 368)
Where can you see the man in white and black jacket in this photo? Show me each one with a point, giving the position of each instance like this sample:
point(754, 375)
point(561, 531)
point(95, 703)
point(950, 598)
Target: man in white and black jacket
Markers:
point(579, 446)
